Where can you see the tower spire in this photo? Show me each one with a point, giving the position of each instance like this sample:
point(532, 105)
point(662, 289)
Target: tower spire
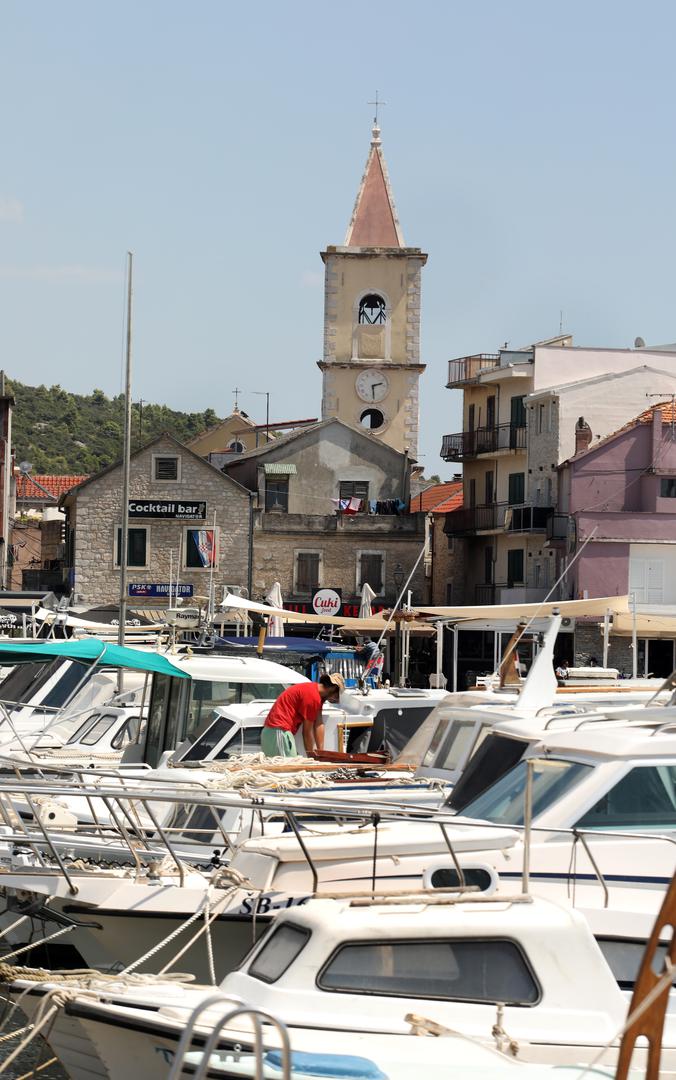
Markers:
point(374, 221)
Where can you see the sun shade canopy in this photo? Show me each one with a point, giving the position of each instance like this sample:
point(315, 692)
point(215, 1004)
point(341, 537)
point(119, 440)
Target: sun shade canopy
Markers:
point(90, 651)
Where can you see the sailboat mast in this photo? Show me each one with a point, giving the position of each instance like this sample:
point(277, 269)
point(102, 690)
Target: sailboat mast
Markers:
point(126, 466)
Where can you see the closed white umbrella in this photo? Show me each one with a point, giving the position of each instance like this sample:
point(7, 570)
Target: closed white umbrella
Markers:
point(275, 622)
point(367, 596)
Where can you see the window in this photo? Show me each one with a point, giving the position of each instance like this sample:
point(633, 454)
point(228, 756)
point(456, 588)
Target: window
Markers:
point(98, 729)
point(541, 419)
point(490, 411)
point(494, 757)
point(128, 733)
point(207, 742)
point(471, 493)
point(447, 877)
point(277, 494)
point(166, 467)
point(201, 549)
point(278, 952)
point(370, 569)
point(137, 546)
point(354, 489)
point(517, 488)
point(668, 487)
point(515, 566)
point(470, 969)
point(372, 419)
point(471, 417)
point(307, 571)
point(372, 309)
point(645, 798)
point(623, 956)
point(236, 447)
point(488, 487)
point(517, 411)
point(503, 802)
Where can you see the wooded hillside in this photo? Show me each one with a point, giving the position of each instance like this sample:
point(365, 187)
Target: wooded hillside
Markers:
point(60, 432)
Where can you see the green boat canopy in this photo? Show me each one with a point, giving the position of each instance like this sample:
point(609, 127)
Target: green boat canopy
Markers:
point(90, 650)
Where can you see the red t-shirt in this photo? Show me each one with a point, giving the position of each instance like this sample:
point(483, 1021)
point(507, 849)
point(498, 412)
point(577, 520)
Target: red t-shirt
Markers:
point(294, 705)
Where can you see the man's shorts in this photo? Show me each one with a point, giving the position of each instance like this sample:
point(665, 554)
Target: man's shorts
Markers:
point(278, 742)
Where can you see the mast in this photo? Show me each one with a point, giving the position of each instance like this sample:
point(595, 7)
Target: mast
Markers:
point(126, 467)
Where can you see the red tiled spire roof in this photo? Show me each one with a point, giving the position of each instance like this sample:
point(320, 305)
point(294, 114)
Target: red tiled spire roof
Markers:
point(374, 220)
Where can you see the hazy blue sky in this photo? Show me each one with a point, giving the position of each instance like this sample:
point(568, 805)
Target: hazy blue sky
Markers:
point(530, 146)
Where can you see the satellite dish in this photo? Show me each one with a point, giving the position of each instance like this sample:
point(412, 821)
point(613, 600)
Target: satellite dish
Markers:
point(25, 466)
point(639, 343)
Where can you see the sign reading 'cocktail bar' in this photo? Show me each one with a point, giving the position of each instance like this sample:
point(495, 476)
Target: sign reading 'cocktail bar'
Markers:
point(167, 508)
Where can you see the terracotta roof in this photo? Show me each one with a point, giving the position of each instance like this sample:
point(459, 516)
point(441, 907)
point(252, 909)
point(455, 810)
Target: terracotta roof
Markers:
point(441, 498)
point(667, 408)
point(55, 485)
point(374, 220)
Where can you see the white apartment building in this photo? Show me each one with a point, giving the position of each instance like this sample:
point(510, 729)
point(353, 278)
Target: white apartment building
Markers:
point(520, 409)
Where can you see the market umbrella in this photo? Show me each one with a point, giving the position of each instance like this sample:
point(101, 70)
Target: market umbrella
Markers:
point(275, 622)
point(367, 596)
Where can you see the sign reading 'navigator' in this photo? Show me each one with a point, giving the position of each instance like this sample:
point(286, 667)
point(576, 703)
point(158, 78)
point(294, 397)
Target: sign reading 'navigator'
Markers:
point(167, 508)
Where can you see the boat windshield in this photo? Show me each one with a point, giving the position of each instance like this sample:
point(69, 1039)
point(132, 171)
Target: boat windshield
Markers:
point(503, 802)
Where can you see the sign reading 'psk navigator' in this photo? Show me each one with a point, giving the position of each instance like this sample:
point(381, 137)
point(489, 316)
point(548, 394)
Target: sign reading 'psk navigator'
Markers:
point(163, 508)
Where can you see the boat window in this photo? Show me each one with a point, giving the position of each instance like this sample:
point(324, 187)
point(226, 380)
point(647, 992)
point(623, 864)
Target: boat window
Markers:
point(159, 696)
point(279, 951)
point(245, 741)
point(98, 729)
point(455, 747)
point(645, 798)
point(66, 685)
point(26, 679)
point(447, 877)
point(472, 969)
point(624, 959)
point(206, 744)
point(129, 733)
point(491, 759)
point(392, 728)
point(207, 695)
point(503, 802)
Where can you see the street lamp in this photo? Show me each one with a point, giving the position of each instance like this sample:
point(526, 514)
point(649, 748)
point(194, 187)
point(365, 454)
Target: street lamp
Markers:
point(398, 579)
point(398, 576)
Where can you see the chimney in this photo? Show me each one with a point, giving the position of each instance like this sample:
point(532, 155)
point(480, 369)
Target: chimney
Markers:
point(583, 435)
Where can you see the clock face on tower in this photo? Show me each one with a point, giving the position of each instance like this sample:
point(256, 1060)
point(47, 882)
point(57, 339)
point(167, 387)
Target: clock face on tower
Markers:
point(372, 385)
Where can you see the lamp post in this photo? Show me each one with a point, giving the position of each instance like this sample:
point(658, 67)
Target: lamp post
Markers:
point(266, 395)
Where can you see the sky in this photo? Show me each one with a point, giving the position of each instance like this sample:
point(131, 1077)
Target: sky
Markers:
point(530, 147)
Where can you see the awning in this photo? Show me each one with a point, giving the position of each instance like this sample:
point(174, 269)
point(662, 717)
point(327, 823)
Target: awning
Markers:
point(647, 625)
point(568, 608)
point(277, 468)
point(90, 650)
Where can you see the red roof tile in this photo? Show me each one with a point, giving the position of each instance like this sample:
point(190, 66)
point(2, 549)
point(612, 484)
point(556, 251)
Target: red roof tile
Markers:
point(55, 485)
point(442, 498)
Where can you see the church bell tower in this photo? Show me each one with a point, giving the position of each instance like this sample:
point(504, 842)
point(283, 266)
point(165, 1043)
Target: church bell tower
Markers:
point(371, 363)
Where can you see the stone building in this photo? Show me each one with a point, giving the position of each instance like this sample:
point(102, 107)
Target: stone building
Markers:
point(186, 519)
point(446, 555)
point(332, 512)
point(371, 363)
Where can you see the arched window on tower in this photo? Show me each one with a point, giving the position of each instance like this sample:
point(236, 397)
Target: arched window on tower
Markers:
point(372, 310)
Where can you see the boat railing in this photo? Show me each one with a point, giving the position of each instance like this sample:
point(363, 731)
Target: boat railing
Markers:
point(142, 821)
point(231, 1010)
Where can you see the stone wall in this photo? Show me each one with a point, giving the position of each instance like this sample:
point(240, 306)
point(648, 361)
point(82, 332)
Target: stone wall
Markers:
point(589, 642)
point(279, 537)
point(94, 514)
point(449, 565)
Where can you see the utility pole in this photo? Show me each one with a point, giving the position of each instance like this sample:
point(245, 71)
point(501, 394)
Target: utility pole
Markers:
point(266, 395)
point(126, 468)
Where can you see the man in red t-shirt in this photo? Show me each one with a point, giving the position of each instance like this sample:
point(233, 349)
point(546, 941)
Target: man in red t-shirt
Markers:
point(299, 705)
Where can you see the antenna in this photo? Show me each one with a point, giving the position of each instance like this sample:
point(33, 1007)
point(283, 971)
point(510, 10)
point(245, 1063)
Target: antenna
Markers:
point(561, 321)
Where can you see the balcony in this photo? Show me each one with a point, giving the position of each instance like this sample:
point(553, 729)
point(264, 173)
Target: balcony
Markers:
point(468, 368)
point(498, 517)
point(484, 440)
point(558, 528)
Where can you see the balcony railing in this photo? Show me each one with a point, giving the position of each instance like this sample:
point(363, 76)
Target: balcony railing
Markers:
point(483, 440)
point(506, 593)
point(468, 368)
point(498, 517)
point(558, 528)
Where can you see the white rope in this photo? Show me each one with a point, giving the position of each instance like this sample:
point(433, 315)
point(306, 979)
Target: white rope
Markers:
point(208, 941)
point(35, 944)
point(13, 926)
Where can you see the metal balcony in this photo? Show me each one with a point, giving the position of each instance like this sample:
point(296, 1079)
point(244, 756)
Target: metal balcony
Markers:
point(485, 440)
point(497, 517)
point(558, 528)
point(468, 368)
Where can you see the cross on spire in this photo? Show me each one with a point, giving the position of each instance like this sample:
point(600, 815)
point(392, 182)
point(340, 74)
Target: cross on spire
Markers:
point(378, 103)
point(237, 392)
